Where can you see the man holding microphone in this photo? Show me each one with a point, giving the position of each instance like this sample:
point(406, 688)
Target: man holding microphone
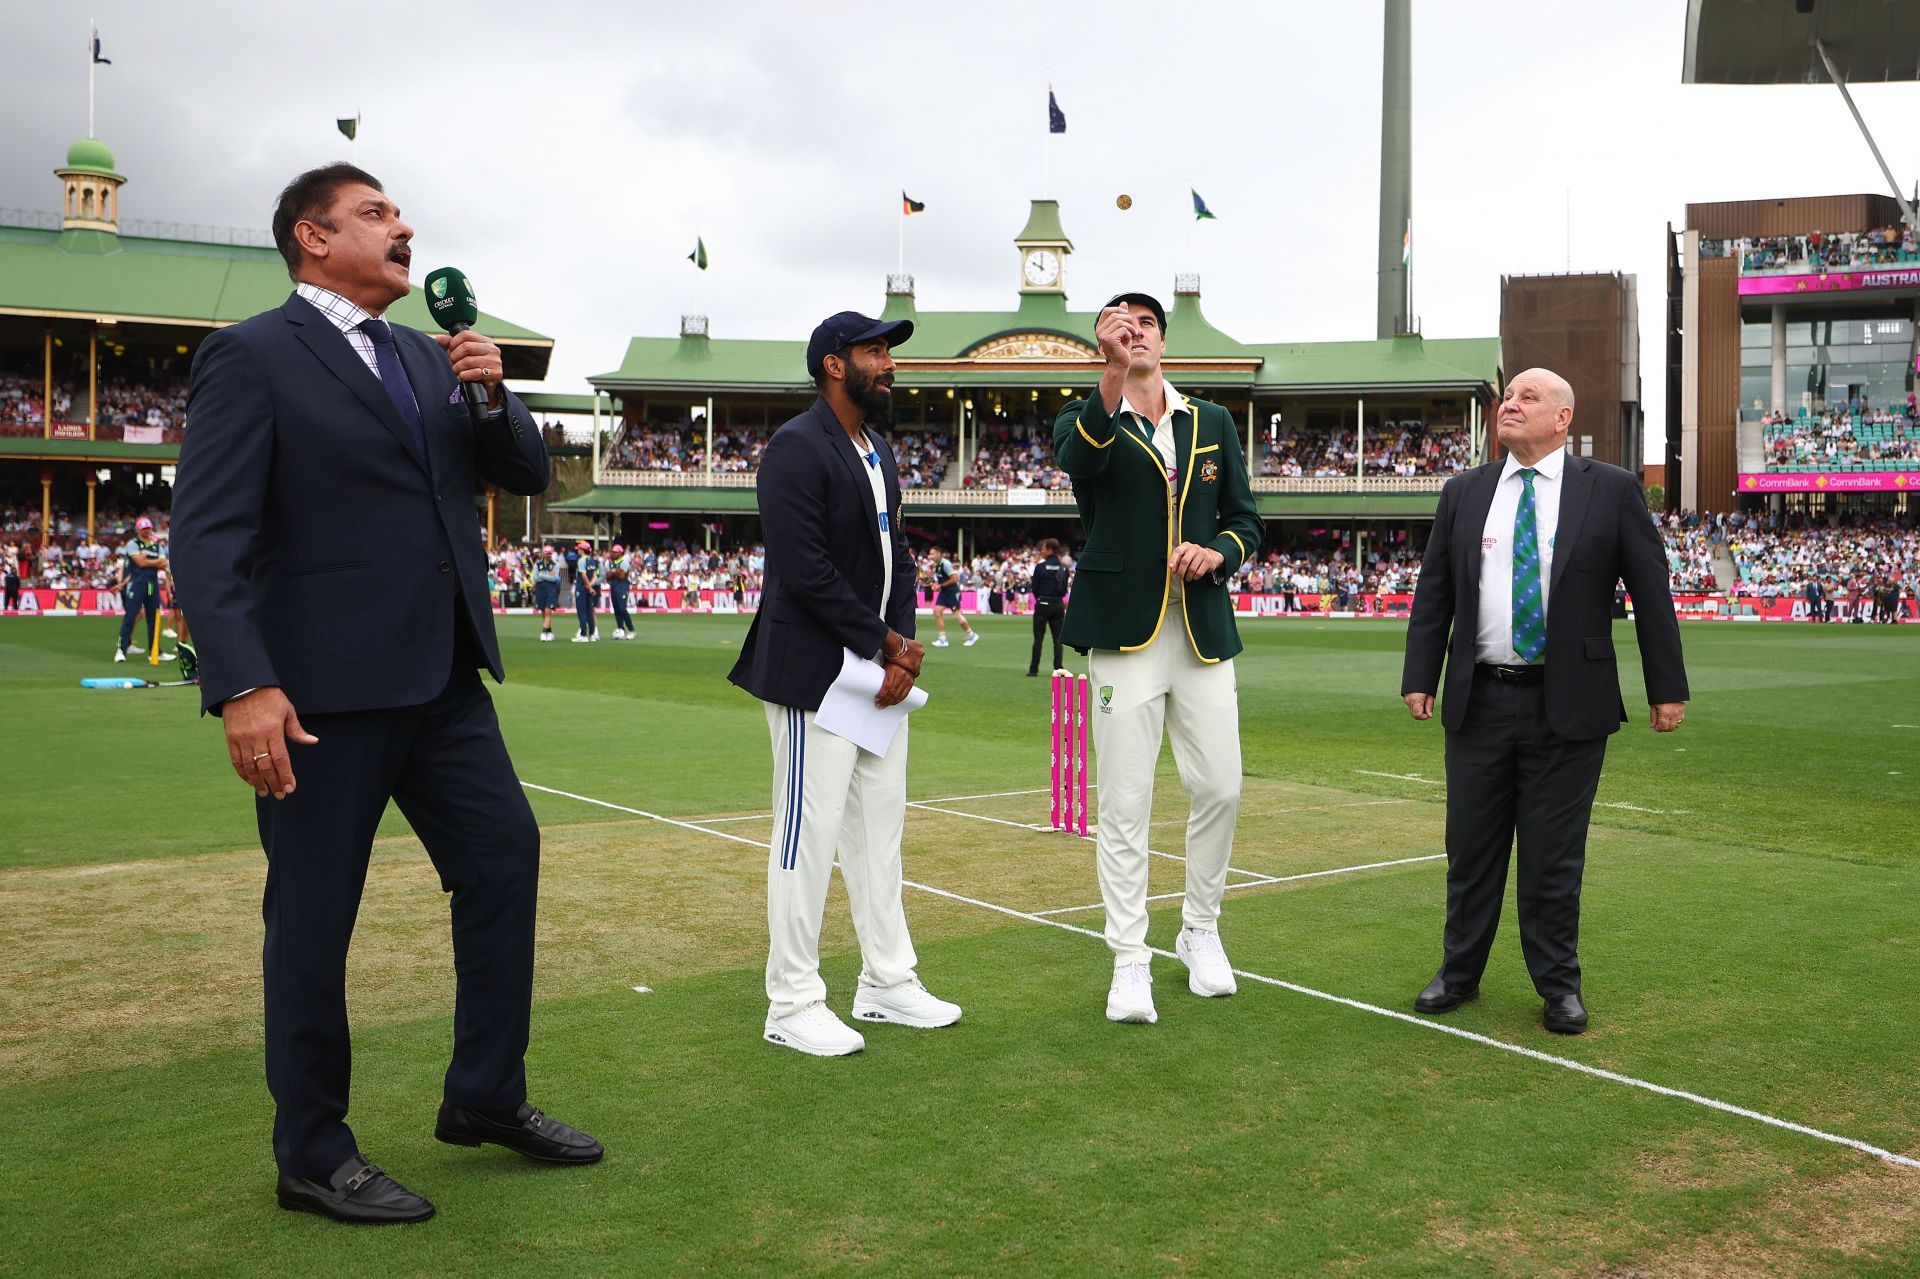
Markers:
point(323, 436)
point(1162, 488)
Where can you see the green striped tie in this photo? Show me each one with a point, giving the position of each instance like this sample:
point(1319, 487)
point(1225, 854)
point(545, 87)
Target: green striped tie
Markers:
point(1529, 618)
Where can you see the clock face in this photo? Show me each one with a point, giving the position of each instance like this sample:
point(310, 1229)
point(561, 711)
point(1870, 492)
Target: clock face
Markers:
point(1042, 268)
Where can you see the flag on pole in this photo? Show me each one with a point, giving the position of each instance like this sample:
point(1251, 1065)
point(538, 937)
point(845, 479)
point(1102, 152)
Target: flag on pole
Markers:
point(1200, 209)
point(1406, 244)
point(95, 33)
point(910, 205)
point(350, 127)
point(699, 255)
point(1056, 118)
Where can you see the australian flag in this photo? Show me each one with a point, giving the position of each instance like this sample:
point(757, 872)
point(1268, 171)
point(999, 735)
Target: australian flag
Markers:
point(1056, 118)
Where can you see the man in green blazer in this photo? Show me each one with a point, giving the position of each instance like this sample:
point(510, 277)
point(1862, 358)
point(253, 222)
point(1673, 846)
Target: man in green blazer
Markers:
point(1162, 489)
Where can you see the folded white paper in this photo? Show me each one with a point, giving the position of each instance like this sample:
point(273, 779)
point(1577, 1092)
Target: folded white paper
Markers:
point(848, 710)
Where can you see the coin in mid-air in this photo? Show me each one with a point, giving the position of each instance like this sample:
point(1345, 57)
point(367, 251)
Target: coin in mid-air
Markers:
point(1125, 202)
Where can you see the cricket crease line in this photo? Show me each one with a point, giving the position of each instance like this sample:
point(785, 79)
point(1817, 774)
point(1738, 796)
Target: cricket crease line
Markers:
point(1308, 808)
point(1043, 827)
point(1399, 777)
point(1264, 880)
point(1427, 1024)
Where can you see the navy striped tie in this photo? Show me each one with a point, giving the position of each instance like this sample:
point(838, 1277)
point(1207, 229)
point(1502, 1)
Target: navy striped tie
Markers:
point(393, 376)
point(1529, 617)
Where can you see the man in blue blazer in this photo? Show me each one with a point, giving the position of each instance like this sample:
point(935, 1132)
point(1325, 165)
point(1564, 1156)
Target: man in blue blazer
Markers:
point(1513, 622)
point(839, 577)
point(326, 545)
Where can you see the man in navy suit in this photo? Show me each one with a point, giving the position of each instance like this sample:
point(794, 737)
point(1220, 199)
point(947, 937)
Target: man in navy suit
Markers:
point(839, 577)
point(1515, 604)
point(322, 438)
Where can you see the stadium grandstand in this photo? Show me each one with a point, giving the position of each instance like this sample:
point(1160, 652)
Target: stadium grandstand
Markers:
point(99, 321)
point(1354, 436)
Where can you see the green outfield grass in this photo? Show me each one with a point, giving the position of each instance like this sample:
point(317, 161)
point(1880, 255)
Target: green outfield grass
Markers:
point(1750, 933)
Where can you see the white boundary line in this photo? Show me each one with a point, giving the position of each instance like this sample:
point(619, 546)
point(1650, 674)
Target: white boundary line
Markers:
point(1428, 1024)
point(1264, 880)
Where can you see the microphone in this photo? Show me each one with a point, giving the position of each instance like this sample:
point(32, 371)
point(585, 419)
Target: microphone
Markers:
point(450, 298)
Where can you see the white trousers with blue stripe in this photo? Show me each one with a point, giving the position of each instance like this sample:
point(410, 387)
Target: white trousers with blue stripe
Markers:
point(829, 797)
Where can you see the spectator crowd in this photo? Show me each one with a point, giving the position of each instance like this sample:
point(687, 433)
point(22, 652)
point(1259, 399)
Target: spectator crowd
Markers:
point(1393, 448)
point(1820, 251)
point(157, 400)
point(1842, 437)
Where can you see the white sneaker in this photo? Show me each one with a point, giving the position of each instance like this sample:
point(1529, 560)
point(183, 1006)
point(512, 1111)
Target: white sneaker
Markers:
point(908, 1004)
point(546, 637)
point(973, 637)
point(168, 657)
point(581, 639)
point(119, 655)
point(170, 633)
point(814, 1030)
point(1130, 998)
point(135, 648)
point(594, 638)
point(1208, 973)
point(941, 642)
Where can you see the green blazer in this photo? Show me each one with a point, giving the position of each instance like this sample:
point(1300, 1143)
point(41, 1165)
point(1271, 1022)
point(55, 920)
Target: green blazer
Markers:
point(1133, 520)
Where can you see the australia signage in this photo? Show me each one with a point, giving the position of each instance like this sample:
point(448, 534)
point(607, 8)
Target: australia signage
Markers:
point(1830, 282)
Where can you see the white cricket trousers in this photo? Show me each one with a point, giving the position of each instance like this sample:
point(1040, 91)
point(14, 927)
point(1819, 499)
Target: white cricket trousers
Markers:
point(1164, 684)
point(830, 796)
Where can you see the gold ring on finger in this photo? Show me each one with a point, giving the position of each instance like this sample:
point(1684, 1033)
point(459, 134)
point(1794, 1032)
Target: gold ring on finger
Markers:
point(262, 755)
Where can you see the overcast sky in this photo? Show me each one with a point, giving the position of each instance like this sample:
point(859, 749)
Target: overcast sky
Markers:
point(566, 154)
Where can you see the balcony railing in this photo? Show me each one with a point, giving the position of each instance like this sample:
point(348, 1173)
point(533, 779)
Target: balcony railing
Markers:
point(1343, 484)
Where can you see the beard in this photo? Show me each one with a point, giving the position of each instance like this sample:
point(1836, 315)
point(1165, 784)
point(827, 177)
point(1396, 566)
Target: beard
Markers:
point(873, 398)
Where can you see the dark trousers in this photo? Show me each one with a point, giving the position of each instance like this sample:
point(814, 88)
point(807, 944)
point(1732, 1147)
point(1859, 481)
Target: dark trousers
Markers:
point(138, 600)
point(446, 766)
point(1511, 779)
point(621, 619)
point(583, 605)
point(1047, 616)
point(12, 602)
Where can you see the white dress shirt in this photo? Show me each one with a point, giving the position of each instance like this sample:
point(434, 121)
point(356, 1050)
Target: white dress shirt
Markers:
point(870, 462)
point(347, 317)
point(1494, 643)
point(1169, 455)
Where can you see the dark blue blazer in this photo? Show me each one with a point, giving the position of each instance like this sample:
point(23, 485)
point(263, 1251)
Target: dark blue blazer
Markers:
point(1604, 536)
point(312, 546)
point(822, 588)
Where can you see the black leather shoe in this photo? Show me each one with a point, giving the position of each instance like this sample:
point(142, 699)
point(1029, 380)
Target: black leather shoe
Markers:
point(531, 1134)
point(357, 1193)
point(1565, 1015)
point(1439, 997)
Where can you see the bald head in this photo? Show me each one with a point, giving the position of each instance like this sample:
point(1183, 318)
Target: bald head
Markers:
point(1534, 414)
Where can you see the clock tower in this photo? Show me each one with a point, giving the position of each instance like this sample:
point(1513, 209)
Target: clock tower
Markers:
point(1043, 249)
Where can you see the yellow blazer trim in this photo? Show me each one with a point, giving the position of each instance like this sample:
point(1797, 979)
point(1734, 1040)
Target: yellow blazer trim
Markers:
point(1237, 542)
point(1211, 448)
point(1166, 586)
point(1186, 481)
point(1080, 427)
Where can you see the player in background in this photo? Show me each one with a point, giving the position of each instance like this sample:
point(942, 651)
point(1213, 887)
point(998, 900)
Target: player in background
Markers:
point(546, 590)
point(586, 593)
point(946, 584)
point(141, 591)
point(619, 569)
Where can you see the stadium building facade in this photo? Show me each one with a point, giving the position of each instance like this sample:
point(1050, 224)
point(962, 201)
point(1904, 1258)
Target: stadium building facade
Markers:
point(1795, 345)
point(971, 378)
point(99, 322)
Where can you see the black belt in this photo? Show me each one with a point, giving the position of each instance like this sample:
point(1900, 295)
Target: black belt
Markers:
point(1512, 674)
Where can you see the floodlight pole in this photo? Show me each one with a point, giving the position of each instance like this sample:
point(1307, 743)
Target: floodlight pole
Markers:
point(1833, 73)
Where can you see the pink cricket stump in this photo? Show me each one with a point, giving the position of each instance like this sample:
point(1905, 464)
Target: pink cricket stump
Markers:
point(1056, 741)
point(1084, 737)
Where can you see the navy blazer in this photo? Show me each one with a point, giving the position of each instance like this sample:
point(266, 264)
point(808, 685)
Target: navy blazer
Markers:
point(312, 546)
point(1604, 536)
point(822, 588)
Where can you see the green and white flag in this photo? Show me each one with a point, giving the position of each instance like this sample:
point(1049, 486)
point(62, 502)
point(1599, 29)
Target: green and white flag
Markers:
point(699, 255)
